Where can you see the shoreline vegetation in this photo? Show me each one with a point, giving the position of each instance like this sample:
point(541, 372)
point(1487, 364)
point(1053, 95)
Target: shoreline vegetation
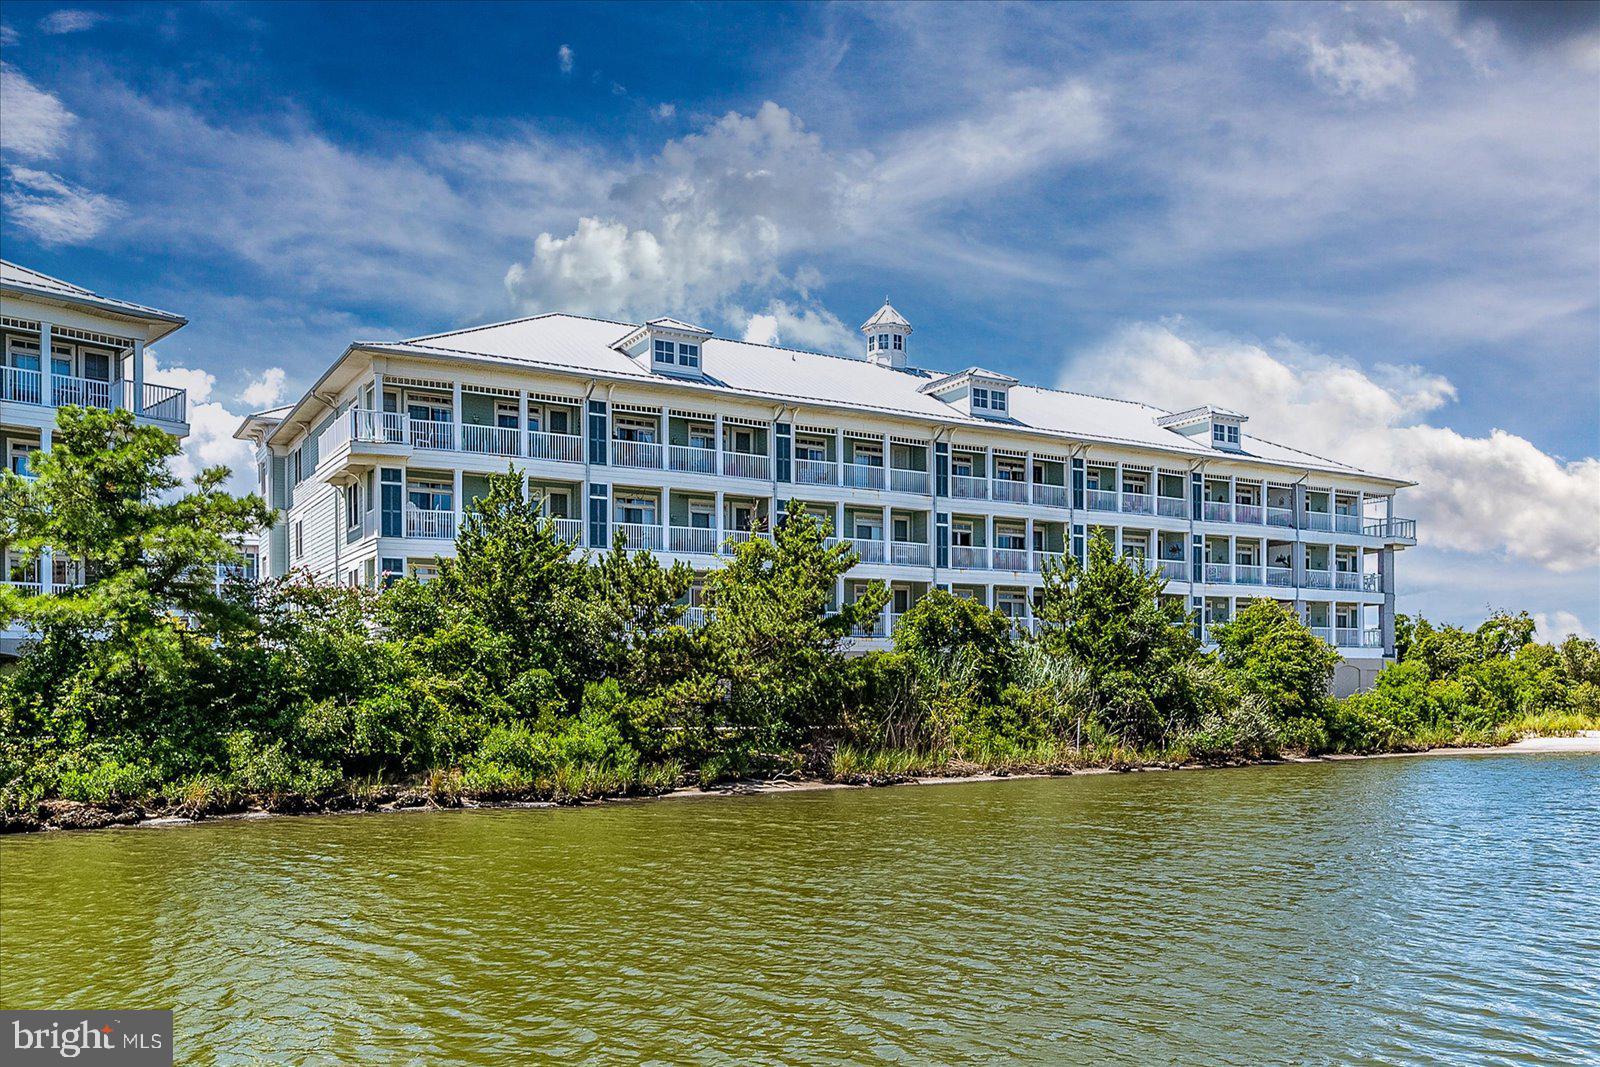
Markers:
point(525, 674)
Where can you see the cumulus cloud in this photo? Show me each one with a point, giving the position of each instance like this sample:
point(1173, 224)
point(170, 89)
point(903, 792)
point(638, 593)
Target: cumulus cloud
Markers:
point(1495, 493)
point(211, 425)
point(34, 122)
point(265, 391)
point(54, 210)
point(813, 328)
point(1361, 70)
point(69, 20)
point(1554, 627)
point(664, 112)
point(564, 59)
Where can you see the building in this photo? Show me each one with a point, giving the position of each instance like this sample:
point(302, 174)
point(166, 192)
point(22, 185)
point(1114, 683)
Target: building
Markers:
point(97, 347)
point(688, 443)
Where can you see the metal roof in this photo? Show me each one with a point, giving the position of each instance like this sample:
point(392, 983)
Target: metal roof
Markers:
point(886, 316)
point(28, 282)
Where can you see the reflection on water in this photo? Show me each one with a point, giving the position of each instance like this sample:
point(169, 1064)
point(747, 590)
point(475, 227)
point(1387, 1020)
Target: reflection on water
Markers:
point(1438, 910)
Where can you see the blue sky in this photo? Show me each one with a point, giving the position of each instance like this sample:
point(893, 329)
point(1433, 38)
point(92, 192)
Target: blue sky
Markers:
point(1374, 228)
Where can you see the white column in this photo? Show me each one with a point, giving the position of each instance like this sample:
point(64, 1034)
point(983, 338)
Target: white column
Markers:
point(455, 428)
point(1119, 505)
point(136, 401)
point(716, 442)
point(47, 559)
point(1027, 534)
point(988, 537)
point(1027, 477)
point(1233, 557)
point(47, 384)
point(664, 516)
point(461, 504)
point(838, 459)
point(1116, 531)
point(886, 518)
point(716, 522)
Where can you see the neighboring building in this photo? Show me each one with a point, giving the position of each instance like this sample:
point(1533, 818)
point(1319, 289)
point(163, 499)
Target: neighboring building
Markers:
point(686, 442)
point(96, 348)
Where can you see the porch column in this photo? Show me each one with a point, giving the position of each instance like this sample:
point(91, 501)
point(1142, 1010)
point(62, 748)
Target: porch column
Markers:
point(886, 517)
point(455, 425)
point(47, 381)
point(461, 504)
point(1233, 557)
point(838, 461)
point(664, 517)
point(716, 443)
point(1027, 537)
point(136, 402)
point(1027, 477)
point(1119, 505)
point(716, 524)
point(838, 521)
point(988, 538)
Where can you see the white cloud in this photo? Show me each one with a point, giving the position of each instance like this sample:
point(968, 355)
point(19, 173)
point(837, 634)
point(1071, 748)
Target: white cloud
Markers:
point(211, 426)
point(564, 59)
point(1497, 493)
point(1361, 70)
point(8, 36)
point(71, 21)
point(265, 391)
point(54, 210)
point(664, 112)
point(1555, 627)
point(813, 328)
point(34, 122)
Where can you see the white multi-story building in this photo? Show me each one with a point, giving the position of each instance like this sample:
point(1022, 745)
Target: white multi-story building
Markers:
point(96, 347)
point(688, 443)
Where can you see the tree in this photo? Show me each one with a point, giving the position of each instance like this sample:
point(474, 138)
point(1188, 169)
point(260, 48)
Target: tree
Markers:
point(1110, 619)
point(944, 635)
point(1276, 657)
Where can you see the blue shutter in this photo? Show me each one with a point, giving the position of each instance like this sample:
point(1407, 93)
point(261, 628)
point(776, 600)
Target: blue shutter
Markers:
point(599, 434)
point(1197, 495)
point(393, 570)
point(1197, 558)
point(942, 540)
point(1080, 547)
point(941, 469)
point(1199, 608)
point(782, 442)
point(1077, 483)
point(393, 492)
point(597, 515)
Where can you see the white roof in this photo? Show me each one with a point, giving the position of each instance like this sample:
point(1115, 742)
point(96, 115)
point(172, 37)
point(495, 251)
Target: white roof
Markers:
point(886, 316)
point(28, 282)
point(678, 324)
point(1203, 413)
point(583, 346)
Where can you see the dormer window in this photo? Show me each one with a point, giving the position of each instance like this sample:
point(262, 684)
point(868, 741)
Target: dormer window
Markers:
point(988, 399)
point(666, 345)
point(688, 355)
point(983, 392)
point(1225, 433)
point(664, 352)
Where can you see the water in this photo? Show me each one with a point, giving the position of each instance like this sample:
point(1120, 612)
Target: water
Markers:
point(1433, 910)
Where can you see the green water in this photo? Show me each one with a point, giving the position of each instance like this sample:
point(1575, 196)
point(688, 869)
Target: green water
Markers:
point(1432, 910)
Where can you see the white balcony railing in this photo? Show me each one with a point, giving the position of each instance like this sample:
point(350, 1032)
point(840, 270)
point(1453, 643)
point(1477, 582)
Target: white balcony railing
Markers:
point(1283, 517)
point(1040, 558)
point(693, 618)
point(1052, 496)
point(1219, 573)
point(165, 402)
point(1314, 578)
point(1346, 522)
point(902, 480)
point(1347, 580)
point(967, 487)
point(645, 454)
point(1010, 559)
point(377, 427)
point(1316, 520)
point(693, 539)
point(1372, 637)
point(1347, 637)
point(1324, 632)
point(427, 434)
point(694, 459)
point(1102, 500)
point(491, 440)
point(1010, 489)
point(1173, 570)
point(84, 392)
point(639, 536)
point(869, 549)
point(1218, 511)
point(732, 539)
point(21, 385)
point(1247, 574)
point(1172, 507)
point(746, 465)
point(1372, 583)
point(816, 472)
point(1251, 514)
point(969, 557)
point(862, 475)
point(560, 447)
point(570, 530)
point(1280, 577)
point(439, 524)
point(1138, 504)
point(909, 553)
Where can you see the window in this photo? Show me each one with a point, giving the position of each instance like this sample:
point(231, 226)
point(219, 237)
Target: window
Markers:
point(635, 429)
point(700, 516)
point(997, 400)
point(869, 455)
point(558, 421)
point(97, 366)
point(352, 506)
point(298, 476)
point(1009, 539)
point(505, 414)
point(961, 534)
point(299, 539)
point(688, 355)
point(883, 342)
point(1225, 433)
point(902, 529)
point(700, 436)
point(810, 451)
point(393, 570)
point(21, 458)
point(872, 343)
point(664, 352)
point(638, 511)
point(899, 343)
point(980, 398)
point(744, 441)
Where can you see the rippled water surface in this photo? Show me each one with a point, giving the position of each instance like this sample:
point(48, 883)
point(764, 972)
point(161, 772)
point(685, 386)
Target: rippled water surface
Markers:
point(1431, 910)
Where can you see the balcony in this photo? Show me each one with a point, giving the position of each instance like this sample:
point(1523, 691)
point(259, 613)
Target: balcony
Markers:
point(694, 459)
point(862, 475)
point(559, 447)
point(1392, 529)
point(732, 539)
point(1041, 558)
point(1280, 517)
point(164, 402)
point(638, 536)
point(1323, 632)
point(1219, 573)
point(1173, 570)
point(1346, 522)
point(1280, 577)
point(909, 554)
point(1010, 559)
point(693, 618)
point(1010, 489)
point(1138, 504)
point(1217, 511)
point(746, 465)
point(1102, 500)
point(1347, 637)
point(1051, 496)
point(697, 540)
point(429, 434)
point(1316, 520)
point(869, 549)
point(966, 487)
point(902, 480)
point(491, 440)
point(642, 454)
point(1247, 574)
point(1172, 507)
point(569, 530)
point(1347, 580)
point(432, 524)
point(1313, 578)
point(815, 472)
point(1251, 514)
point(1372, 637)
point(969, 557)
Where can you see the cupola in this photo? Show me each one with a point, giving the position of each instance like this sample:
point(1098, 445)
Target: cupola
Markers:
point(888, 334)
point(1220, 427)
point(666, 346)
point(983, 393)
